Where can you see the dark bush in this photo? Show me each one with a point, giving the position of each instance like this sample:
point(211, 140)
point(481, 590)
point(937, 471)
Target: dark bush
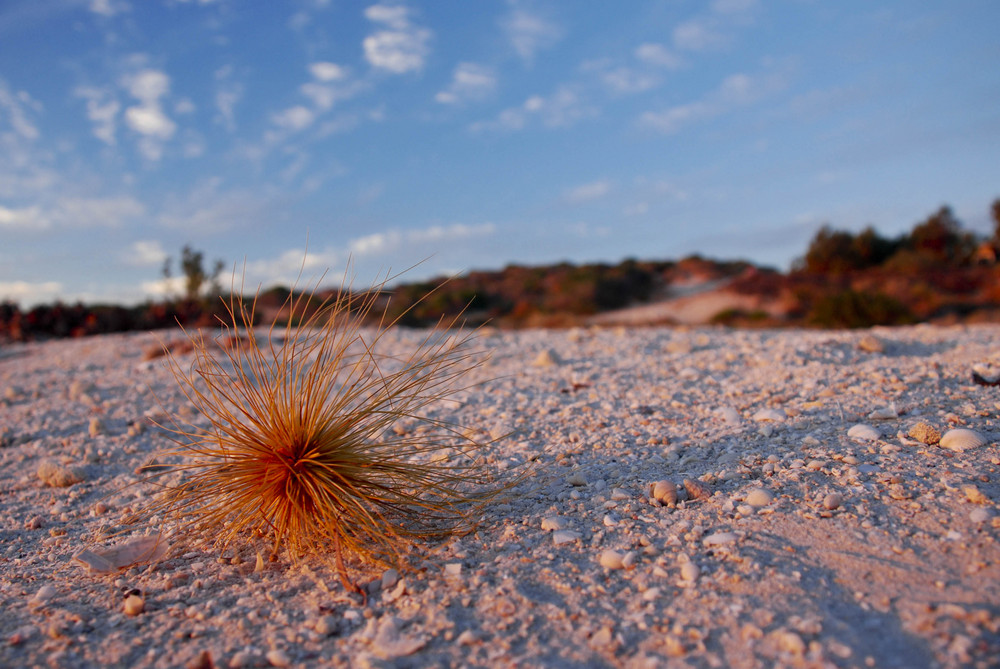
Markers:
point(857, 309)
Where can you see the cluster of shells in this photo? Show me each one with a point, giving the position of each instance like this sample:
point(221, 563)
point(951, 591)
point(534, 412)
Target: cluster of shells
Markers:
point(959, 439)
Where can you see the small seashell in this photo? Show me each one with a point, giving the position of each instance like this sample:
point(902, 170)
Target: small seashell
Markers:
point(833, 501)
point(720, 538)
point(925, 433)
point(961, 439)
point(985, 375)
point(869, 343)
point(134, 605)
point(665, 492)
point(45, 593)
point(278, 658)
point(611, 559)
point(759, 497)
point(774, 415)
point(696, 489)
point(863, 432)
point(96, 427)
point(109, 560)
point(729, 415)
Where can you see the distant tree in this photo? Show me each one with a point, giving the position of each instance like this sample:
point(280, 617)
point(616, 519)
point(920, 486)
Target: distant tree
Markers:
point(195, 276)
point(830, 252)
point(995, 211)
point(940, 238)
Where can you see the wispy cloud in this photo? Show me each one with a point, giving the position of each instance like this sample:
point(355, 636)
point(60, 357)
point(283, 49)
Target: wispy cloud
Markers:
point(469, 82)
point(145, 253)
point(18, 108)
point(588, 192)
point(735, 91)
point(530, 31)
point(393, 240)
point(228, 93)
point(25, 218)
point(400, 46)
point(74, 212)
point(109, 8)
point(562, 108)
point(713, 30)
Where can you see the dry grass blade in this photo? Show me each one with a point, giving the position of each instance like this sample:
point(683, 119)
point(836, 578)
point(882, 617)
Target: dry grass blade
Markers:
point(299, 445)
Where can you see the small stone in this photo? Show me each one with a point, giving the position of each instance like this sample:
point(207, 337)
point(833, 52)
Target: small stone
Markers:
point(547, 358)
point(602, 637)
point(729, 415)
point(611, 559)
point(34, 523)
point(134, 605)
point(58, 475)
point(833, 501)
point(925, 433)
point(390, 577)
point(96, 427)
point(773, 415)
point(759, 497)
point(560, 537)
point(553, 523)
point(790, 642)
point(327, 625)
point(979, 515)
point(44, 594)
point(241, 659)
point(466, 638)
point(576, 479)
point(690, 572)
point(974, 494)
point(453, 569)
point(278, 658)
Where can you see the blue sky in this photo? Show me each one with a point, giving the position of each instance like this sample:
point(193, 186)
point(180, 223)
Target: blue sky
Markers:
point(474, 134)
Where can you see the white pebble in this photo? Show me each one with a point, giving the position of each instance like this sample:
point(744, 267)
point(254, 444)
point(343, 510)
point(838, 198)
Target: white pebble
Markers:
point(719, 538)
point(759, 497)
point(833, 501)
point(560, 537)
point(45, 593)
point(979, 515)
point(134, 605)
point(611, 559)
point(278, 658)
point(774, 415)
point(552, 523)
point(863, 432)
point(690, 572)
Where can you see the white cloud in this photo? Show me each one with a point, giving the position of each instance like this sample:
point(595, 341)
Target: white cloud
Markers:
point(109, 8)
point(184, 106)
point(658, 55)
point(102, 112)
point(208, 210)
point(147, 118)
point(29, 218)
point(587, 192)
point(469, 82)
point(622, 79)
point(324, 71)
point(146, 253)
point(563, 108)
point(27, 293)
point(736, 90)
point(150, 121)
point(400, 46)
point(530, 32)
point(393, 240)
point(295, 118)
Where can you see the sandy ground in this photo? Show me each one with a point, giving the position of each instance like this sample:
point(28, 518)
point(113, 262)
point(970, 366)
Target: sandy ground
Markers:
point(793, 542)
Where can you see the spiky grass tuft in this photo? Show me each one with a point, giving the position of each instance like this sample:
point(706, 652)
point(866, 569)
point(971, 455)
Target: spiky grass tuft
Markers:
point(299, 444)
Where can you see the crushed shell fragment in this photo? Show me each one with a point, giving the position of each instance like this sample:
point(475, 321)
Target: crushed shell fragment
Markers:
point(925, 433)
point(110, 560)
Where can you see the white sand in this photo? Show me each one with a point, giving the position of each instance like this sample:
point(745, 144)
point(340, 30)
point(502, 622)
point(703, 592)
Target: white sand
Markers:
point(904, 573)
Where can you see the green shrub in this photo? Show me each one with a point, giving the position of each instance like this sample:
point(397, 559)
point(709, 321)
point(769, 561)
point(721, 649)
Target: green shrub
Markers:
point(857, 309)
